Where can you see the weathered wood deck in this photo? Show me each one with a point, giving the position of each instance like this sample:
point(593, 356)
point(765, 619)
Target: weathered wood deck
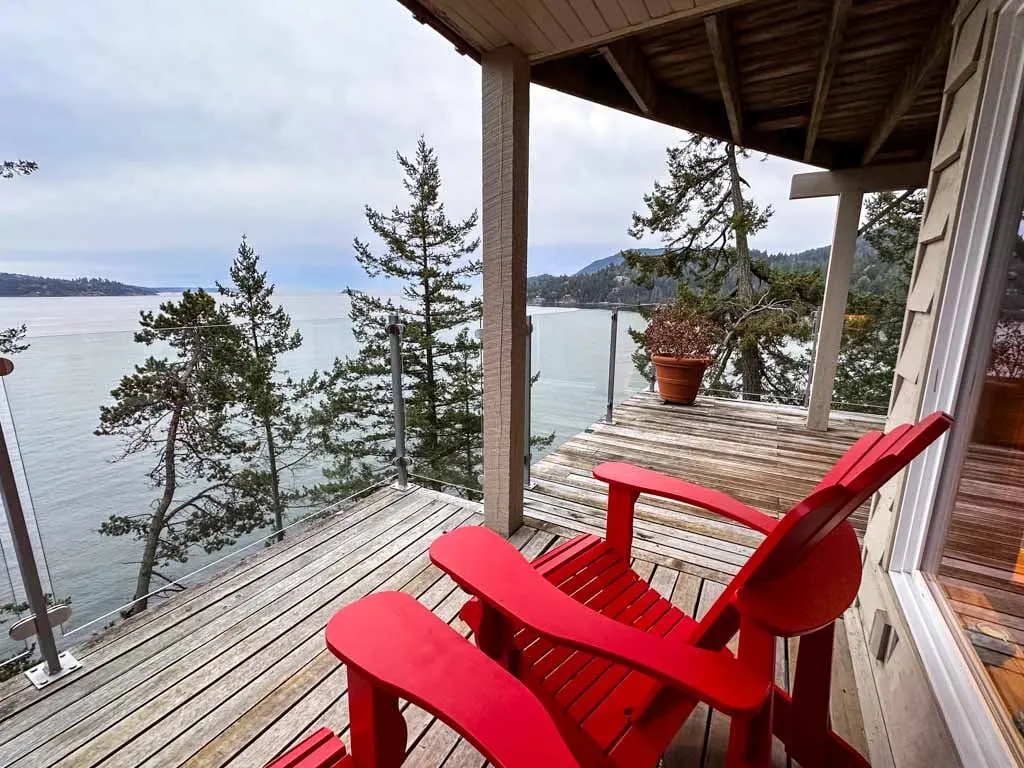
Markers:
point(235, 670)
point(761, 454)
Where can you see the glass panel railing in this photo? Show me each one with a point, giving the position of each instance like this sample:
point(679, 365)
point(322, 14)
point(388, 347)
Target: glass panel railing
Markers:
point(867, 356)
point(571, 355)
point(93, 416)
point(14, 655)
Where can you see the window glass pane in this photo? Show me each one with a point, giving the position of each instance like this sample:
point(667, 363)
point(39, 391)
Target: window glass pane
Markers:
point(982, 566)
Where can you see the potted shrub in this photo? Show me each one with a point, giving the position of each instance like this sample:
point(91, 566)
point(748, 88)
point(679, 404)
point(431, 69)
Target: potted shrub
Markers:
point(681, 342)
point(1000, 418)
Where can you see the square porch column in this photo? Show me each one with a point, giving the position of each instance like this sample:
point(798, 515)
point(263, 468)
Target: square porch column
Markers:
point(506, 129)
point(833, 308)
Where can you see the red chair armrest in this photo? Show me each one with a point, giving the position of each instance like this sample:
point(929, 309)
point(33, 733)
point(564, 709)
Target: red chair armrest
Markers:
point(398, 645)
point(639, 480)
point(486, 565)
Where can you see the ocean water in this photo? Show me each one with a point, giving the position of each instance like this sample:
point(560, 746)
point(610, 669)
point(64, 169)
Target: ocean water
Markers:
point(80, 347)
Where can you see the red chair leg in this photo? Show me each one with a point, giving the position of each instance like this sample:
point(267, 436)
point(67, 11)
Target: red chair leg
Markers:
point(495, 637)
point(378, 730)
point(812, 686)
point(750, 738)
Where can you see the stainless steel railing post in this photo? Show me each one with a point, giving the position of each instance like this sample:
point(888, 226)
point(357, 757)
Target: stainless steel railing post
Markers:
point(611, 367)
point(55, 664)
point(527, 455)
point(394, 329)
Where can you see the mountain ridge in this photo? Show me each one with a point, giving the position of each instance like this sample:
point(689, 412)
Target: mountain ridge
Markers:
point(609, 280)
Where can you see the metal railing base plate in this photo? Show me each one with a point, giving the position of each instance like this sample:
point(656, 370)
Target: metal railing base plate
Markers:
point(40, 676)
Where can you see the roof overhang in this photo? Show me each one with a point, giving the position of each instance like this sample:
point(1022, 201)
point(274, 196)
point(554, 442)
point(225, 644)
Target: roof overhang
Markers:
point(836, 83)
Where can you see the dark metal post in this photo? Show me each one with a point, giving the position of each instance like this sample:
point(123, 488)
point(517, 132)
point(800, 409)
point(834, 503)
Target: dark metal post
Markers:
point(611, 367)
point(39, 623)
point(815, 327)
point(527, 454)
point(401, 460)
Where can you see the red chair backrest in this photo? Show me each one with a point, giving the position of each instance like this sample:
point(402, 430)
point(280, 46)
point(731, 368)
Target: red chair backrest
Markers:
point(870, 463)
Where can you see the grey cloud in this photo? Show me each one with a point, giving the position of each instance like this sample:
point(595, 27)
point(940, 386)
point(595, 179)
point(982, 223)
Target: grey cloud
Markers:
point(180, 124)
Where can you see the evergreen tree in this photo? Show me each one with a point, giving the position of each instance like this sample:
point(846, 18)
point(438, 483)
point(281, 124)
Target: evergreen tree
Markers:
point(705, 222)
point(182, 411)
point(875, 308)
point(11, 168)
point(12, 340)
point(429, 258)
point(274, 403)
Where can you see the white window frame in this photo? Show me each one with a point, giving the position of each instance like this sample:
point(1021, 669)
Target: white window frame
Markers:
point(991, 200)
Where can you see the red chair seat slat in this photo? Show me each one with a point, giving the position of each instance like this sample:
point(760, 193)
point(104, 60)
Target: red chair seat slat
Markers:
point(590, 689)
point(796, 583)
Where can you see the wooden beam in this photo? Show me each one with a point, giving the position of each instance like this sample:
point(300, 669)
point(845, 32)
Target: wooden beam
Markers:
point(930, 55)
point(665, 21)
point(829, 57)
point(720, 41)
point(628, 62)
point(506, 133)
point(424, 15)
point(833, 309)
point(881, 178)
point(777, 119)
point(675, 107)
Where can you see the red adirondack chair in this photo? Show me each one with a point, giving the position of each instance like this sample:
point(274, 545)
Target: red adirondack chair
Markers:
point(601, 647)
point(395, 648)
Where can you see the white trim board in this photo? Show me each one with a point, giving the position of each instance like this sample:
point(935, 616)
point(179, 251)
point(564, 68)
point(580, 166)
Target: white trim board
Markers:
point(955, 374)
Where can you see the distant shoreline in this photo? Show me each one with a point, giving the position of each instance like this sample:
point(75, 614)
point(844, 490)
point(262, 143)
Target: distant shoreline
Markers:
point(583, 305)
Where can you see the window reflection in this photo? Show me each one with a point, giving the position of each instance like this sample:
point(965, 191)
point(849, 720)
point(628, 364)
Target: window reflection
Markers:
point(982, 567)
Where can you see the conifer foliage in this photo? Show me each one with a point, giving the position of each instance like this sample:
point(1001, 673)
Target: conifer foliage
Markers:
point(274, 405)
point(179, 411)
point(426, 260)
point(705, 220)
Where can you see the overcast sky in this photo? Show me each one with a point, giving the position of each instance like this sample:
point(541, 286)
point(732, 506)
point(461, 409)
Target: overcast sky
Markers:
point(164, 129)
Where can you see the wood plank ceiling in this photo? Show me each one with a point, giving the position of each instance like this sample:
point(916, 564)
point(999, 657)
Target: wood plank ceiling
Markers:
point(836, 83)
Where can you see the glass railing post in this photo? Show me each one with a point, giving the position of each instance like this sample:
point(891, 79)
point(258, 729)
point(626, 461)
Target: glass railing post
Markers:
point(55, 665)
point(394, 330)
point(611, 368)
point(527, 455)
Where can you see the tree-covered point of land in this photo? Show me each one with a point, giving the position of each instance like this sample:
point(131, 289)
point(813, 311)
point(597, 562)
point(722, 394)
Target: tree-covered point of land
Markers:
point(180, 411)
point(427, 259)
point(705, 218)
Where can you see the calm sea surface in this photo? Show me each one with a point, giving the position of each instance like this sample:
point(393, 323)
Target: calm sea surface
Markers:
point(80, 347)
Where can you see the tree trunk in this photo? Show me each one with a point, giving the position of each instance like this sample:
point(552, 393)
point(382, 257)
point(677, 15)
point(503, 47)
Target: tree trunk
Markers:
point(158, 520)
point(430, 439)
point(275, 483)
point(749, 363)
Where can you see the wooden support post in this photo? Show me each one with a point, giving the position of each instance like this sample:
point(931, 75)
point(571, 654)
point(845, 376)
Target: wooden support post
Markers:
point(833, 308)
point(506, 129)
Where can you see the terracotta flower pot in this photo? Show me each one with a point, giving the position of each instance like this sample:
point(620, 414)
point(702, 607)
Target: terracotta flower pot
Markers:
point(679, 377)
point(1000, 418)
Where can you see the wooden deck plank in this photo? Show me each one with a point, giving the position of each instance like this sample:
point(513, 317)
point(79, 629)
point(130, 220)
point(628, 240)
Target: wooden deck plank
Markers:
point(164, 694)
point(247, 574)
point(120, 672)
point(234, 670)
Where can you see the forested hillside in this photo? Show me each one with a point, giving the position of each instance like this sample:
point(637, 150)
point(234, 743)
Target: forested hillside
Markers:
point(31, 285)
point(610, 280)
